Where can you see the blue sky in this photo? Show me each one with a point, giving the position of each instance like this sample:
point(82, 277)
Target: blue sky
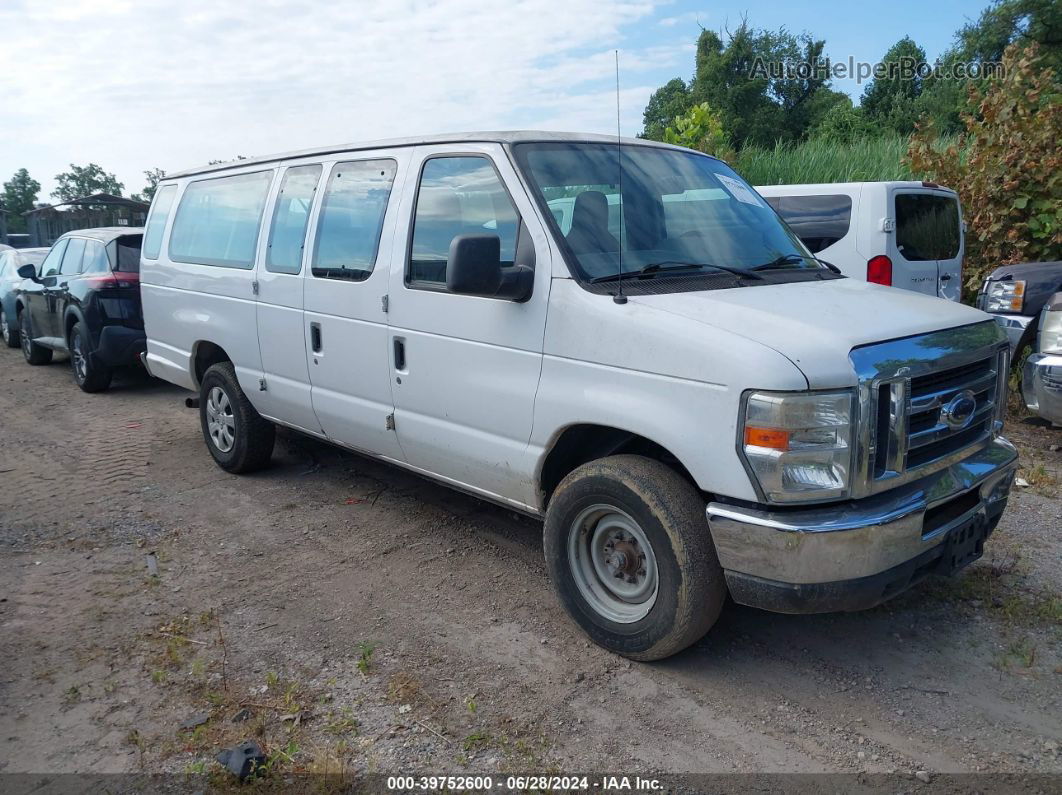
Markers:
point(139, 84)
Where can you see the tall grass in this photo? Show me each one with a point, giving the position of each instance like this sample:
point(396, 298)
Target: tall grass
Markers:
point(866, 160)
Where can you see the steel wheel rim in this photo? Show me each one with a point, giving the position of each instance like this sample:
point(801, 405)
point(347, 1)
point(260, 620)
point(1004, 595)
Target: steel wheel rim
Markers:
point(613, 564)
point(3, 326)
point(221, 423)
point(78, 355)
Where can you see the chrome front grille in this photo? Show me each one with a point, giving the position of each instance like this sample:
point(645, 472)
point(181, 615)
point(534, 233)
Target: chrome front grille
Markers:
point(929, 435)
point(926, 402)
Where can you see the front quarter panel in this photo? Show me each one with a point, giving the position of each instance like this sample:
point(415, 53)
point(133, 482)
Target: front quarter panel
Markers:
point(655, 374)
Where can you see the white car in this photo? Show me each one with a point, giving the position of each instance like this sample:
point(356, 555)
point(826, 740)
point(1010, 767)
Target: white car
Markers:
point(693, 403)
point(899, 234)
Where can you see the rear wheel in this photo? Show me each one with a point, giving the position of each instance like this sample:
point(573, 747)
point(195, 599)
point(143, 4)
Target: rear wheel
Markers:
point(90, 376)
point(631, 556)
point(238, 438)
point(34, 353)
point(9, 329)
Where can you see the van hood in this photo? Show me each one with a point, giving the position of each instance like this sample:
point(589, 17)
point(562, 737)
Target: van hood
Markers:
point(816, 324)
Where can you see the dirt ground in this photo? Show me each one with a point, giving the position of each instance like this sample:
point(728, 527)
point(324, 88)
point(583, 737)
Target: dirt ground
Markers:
point(355, 618)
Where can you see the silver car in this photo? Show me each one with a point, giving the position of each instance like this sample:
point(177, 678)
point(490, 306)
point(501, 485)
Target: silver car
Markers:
point(1041, 382)
point(11, 260)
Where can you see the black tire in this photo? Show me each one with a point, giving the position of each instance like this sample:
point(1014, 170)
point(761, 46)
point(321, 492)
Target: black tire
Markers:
point(9, 327)
point(34, 354)
point(89, 375)
point(252, 436)
point(690, 586)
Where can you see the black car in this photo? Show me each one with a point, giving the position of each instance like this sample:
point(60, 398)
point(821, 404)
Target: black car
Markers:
point(1015, 294)
point(84, 299)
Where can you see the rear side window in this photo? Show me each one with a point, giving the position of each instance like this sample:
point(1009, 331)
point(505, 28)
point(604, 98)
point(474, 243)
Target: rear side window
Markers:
point(75, 252)
point(218, 219)
point(458, 196)
point(352, 213)
point(927, 226)
point(160, 213)
point(819, 221)
point(128, 254)
point(287, 234)
point(95, 260)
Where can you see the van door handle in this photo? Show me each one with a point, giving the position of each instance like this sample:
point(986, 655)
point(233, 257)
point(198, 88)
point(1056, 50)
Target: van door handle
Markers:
point(400, 353)
point(946, 277)
point(315, 337)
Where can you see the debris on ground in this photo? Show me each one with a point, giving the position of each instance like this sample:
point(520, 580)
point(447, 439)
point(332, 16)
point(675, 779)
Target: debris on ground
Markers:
point(244, 760)
point(196, 720)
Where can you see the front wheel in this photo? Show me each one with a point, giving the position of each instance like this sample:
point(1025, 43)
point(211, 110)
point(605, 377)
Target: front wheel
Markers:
point(33, 353)
point(90, 376)
point(631, 557)
point(238, 438)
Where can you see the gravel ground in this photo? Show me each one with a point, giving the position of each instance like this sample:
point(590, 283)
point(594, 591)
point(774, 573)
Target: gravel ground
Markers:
point(355, 618)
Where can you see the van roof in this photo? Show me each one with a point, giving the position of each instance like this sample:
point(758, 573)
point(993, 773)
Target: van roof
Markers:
point(843, 187)
point(504, 137)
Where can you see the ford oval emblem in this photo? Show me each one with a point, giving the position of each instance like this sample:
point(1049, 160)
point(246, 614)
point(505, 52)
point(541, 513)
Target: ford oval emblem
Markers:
point(958, 411)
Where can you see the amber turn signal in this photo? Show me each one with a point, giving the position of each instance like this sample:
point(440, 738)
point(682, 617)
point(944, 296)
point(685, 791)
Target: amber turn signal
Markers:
point(767, 437)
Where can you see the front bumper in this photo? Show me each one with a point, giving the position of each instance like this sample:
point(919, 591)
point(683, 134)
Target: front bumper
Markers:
point(1015, 327)
point(857, 554)
point(1041, 385)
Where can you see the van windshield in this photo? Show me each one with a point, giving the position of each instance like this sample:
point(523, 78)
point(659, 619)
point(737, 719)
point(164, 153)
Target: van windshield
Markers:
point(678, 214)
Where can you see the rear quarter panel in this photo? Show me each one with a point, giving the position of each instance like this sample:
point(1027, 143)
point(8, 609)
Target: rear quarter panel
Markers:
point(187, 304)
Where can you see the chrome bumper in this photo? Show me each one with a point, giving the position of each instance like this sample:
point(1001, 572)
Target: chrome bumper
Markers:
point(857, 540)
point(1041, 385)
point(1014, 326)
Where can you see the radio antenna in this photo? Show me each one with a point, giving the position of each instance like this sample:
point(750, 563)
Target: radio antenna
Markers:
point(619, 297)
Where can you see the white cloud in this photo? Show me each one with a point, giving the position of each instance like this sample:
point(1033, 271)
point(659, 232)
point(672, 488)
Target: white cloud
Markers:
point(173, 83)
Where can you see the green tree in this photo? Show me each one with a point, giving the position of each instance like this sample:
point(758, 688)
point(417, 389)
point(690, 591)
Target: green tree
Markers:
point(751, 80)
point(154, 177)
point(1021, 22)
point(20, 194)
point(889, 100)
point(700, 128)
point(81, 181)
point(841, 124)
point(666, 103)
point(1006, 166)
point(945, 101)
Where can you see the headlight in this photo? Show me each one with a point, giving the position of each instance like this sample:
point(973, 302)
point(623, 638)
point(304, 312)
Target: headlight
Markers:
point(1051, 328)
point(798, 445)
point(1005, 297)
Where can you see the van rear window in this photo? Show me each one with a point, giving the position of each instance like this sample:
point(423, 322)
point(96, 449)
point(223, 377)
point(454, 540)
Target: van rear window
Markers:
point(218, 220)
point(819, 221)
point(927, 226)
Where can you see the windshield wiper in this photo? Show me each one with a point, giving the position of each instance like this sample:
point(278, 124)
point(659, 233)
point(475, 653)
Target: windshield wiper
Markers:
point(670, 267)
point(785, 259)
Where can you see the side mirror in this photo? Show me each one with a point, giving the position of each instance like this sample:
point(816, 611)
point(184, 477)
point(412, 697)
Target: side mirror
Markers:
point(474, 268)
point(28, 272)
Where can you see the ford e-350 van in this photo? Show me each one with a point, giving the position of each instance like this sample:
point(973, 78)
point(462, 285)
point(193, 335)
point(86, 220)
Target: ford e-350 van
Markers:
point(694, 403)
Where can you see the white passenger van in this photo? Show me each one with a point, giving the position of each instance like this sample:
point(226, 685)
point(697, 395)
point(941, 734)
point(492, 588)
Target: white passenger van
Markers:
point(692, 401)
point(900, 234)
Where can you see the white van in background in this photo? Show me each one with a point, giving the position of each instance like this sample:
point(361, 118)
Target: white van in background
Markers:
point(694, 404)
point(900, 234)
